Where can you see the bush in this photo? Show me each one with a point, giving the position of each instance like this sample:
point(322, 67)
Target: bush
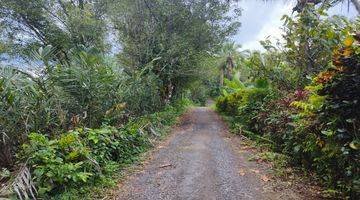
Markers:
point(90, 87)
point(83, 92)
point(49, 110)
point(330, 123)
point(77, 156)
point(317, 127)
point(82, 155)
point(26, 105)
point(141, 93)
point(244, 103)
point(276, 119)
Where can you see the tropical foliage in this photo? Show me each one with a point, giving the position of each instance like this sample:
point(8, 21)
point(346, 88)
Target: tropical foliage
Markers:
point(309, 110)
point(92, 83)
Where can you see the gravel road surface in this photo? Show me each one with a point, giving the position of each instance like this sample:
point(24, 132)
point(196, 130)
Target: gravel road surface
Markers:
point(199, 162)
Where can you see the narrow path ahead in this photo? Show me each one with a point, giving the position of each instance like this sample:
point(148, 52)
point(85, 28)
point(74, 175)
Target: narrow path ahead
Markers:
point(200, 161)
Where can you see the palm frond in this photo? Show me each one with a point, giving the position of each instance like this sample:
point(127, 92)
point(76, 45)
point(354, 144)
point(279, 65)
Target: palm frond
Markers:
point(22, 186)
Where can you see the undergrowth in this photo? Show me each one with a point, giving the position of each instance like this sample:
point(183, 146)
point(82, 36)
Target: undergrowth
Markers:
point(314, 129)
point(82, 163)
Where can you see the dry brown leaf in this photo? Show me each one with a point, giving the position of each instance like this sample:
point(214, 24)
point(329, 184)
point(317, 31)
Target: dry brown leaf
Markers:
point(255, 171)
point(242, 172)
point(265, 178)
point(288, 170)
point(246, 148)
point(166, 165)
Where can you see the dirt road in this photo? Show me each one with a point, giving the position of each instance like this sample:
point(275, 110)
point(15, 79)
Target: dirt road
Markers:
point(201, 161)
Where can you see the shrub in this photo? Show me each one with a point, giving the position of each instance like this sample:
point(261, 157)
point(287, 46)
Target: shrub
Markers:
point(77, 156)
point(318, 126)
point(331, 122)
point(59, 162)
point(26, 105)
point(90, 87)
point(82, 155)
point(141, 93)
point(85, 91)
point(245, 102)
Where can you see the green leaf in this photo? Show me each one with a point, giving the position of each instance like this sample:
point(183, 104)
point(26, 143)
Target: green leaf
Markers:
point(355, 144)
point(328, 132)
point(10, 98)
point(43, 190)
point(297, 148)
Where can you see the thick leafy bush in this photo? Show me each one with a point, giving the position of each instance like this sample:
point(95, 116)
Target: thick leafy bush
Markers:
point(82, 155)
point(316, 126)
point(245, 102)
point(329, 122)
point(77, 156)
point(84, 92)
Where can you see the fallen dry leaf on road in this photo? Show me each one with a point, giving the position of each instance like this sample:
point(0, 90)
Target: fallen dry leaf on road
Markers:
point(265, 178)
point(255, 171)
point(247, 148)
point(166, 165)
point(241, 172)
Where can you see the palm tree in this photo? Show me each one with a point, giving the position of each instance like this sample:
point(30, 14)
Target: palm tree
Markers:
point(228, 56)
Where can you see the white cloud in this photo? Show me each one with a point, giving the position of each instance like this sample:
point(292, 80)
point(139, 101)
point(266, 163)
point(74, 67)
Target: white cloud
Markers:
point(272, 28)
point(260, 20)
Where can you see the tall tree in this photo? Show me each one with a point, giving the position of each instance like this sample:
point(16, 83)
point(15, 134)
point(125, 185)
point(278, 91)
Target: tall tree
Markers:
point(172, 35)
point(62, 24)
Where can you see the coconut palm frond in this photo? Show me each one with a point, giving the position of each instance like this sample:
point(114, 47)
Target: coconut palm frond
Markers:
point(22, 186)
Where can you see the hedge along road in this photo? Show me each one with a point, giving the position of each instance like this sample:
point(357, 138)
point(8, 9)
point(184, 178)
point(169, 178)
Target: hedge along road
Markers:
point(201, 160)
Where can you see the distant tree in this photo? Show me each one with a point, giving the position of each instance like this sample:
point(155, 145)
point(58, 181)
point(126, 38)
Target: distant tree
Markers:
point(229, 56)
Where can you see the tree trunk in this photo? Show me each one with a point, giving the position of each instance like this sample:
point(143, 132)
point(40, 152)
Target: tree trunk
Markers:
point(81, 4)
point(221, 77)
point(229, 67)
point(357, 5)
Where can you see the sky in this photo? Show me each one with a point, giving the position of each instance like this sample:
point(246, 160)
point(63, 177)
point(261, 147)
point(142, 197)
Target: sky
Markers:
point(262, 19)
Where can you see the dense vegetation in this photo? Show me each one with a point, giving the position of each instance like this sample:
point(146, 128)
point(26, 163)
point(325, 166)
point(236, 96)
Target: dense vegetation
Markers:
point(94, 82)
point(301, 97)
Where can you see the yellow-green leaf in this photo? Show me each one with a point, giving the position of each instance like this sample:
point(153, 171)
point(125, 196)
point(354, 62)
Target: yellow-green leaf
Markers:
point(354, 145)
point(349, 40)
